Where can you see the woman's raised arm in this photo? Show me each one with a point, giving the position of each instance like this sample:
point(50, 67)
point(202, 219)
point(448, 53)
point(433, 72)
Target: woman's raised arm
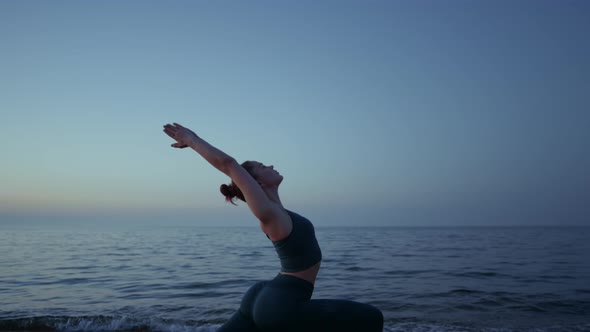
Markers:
point(258, 202)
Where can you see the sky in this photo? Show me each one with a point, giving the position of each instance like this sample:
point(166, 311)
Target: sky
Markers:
point(377, 113)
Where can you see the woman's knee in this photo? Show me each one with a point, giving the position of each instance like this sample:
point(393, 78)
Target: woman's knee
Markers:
point(374, 318)
point(367, 316)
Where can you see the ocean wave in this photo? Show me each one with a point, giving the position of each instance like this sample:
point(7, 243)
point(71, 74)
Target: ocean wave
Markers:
point(131, 324)
point(103, 324)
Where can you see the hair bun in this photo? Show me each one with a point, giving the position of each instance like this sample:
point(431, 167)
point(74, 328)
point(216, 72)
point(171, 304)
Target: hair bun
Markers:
point(226, 191)
point(230, 192)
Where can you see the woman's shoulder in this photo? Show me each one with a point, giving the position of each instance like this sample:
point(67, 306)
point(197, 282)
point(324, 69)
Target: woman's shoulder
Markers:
point(296, 217)
point(280, 227)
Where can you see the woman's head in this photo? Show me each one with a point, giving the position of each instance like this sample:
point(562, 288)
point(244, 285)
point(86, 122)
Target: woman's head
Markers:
point(266, 176)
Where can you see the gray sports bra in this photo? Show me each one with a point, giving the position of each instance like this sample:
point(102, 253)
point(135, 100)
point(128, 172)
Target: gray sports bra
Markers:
point(300, 249)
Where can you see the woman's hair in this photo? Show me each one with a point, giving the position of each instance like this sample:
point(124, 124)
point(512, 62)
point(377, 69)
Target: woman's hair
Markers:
point(231, 191)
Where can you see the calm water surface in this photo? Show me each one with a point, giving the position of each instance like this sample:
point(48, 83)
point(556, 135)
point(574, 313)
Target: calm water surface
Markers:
point(192, 279)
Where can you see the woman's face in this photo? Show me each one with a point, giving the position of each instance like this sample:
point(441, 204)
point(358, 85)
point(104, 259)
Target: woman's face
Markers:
point(266, 175)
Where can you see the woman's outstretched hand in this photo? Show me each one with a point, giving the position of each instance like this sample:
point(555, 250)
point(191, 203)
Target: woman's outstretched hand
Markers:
point(182, 135)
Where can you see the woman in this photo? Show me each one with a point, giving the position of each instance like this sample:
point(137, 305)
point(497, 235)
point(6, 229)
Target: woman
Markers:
point(283, 303)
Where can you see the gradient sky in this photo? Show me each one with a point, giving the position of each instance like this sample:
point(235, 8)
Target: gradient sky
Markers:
point(393, 113)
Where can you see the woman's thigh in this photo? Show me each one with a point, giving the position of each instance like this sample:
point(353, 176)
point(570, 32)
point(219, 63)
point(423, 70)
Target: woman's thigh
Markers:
point(338, 316)
point(242, 320)
point(275, 309)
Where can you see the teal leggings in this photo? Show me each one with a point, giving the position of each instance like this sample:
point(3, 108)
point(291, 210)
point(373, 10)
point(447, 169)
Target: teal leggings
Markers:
point(284, 304)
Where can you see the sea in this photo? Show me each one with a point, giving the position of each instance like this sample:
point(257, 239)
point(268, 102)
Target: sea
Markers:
point(160, 278)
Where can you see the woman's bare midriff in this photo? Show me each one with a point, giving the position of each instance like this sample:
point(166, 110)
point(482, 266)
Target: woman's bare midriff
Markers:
point(308, 274)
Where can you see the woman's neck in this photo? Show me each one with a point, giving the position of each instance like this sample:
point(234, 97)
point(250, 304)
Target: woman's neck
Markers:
point(273, 194)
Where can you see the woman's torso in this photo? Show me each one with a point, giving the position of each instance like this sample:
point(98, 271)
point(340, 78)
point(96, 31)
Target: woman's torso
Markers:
point(280, 231)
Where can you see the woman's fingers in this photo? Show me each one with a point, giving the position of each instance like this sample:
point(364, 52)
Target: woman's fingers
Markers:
point(170, 127)
point(170, 132)
point(175, 126)
point(176, 132)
